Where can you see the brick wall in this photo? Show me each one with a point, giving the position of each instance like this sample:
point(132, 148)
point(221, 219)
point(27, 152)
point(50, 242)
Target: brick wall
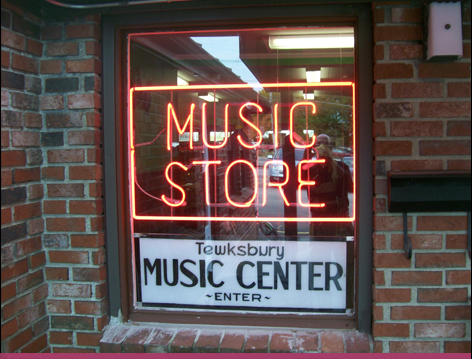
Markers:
point(422, 122)
point(24, 291)
point(53, 257)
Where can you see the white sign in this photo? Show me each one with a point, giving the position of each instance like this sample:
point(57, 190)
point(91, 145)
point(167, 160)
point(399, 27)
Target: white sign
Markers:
point(243, 274)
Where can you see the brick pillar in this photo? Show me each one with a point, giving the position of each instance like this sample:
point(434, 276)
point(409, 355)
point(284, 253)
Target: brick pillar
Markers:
point(24, 291)
point(72, 175)
point(422, 122)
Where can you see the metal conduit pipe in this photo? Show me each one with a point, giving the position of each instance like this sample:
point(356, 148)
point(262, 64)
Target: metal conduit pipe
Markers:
point(110, 4)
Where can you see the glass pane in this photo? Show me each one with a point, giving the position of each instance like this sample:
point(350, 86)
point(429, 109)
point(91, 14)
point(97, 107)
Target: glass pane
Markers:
point(244, 137)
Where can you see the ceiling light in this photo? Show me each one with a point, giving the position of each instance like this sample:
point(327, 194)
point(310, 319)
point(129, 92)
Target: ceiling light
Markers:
point(309, 96)
point(326, 41)
point(313, 76)
point(209, 98)
point(181, 82)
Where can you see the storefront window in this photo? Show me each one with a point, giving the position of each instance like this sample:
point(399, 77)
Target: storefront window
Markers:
point(242, 169)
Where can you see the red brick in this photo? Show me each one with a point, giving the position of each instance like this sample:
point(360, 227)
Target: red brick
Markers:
point(89, 339)
point(101, 291)
point(89, 274)
point(83, 31)
point(414, 347)
point(95, 190)
point(84, 138)
point(22, 175)
point(28, 246)
point(69, 350)
point(439, 330)
point(445, 109)
point(449, 70)
point(417, 90)
point(85, 172)
point(461, 312)
point(377, 313)
point(378, 346)
point(232, 342)
point(6, 215)
point(457, 347)
point(78, 257)
point(52, 173)
point(159, 341)
point(112, 339)
point(35, 191)
point(393, 71)
point(459, 165)
point(379, 16)
point(31, 280)
point(19, 340)
point(54, 102)
point(71, 290)
point(93, 48)
point(26, 211)
point(406, 52)
point(444, 148)
point(34, 47)
point(456, 241)
point(134, 342)
point(415, 313)
point(416, 129)
point(59, 306)
point(87, 240)
point(24, 63)
point(282, 342)
point(12, 40)
point(455, 277)
point(419, 241)
point(183, 341)
point(14, 270)
point(393, 148)
point(85, 207)
point(379, 241)
point(414, 278)
point(83, 101)
point(35, 226)
point(391, 330)
point(13, 158)
point(33, 120)
point(97, 223)
point(417, 165)
point(391, 223)
point(458, 128)
point(332, 342)
point(66, 190)
point(257, 342)
point(379, 277)
point(66, 156)
point(391, 260)
point(65, 224)
point(442, 295)
point(57, 274)
point(7, 177)
point(392, 295)
point(16, 306)
point(407, 15)
point(31, 315)
point(459, 89)
point(54, 207)
point(9, 328)
point(40, 293)
point(357, 342)
point(60, 337)
point(440, 260)
point(80, 66)
point(25, 139)
point(93, 308)
point(380, 205)
point(441, 223)
point(398, 33)
point(51, 67)
point(62, 49)
point(5, 62)
point(379, 52)
point(307, 342)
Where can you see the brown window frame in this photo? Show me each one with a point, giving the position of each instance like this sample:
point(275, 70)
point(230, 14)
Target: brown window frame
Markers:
point(212, 15)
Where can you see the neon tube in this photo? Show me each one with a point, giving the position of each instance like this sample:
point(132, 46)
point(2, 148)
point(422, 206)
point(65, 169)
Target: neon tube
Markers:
point(207, 177)
point(307, 183)
point(170, 111)
point(164, 198)
point(291, 124)
point(204, 126)
point(273, 184)
point(248, 203)
point(250, 124)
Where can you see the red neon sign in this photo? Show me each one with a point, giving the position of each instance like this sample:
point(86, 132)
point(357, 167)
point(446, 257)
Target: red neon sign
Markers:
point(256, 199)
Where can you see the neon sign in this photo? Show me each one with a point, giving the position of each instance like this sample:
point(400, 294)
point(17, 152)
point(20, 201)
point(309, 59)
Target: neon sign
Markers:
point(178, 197)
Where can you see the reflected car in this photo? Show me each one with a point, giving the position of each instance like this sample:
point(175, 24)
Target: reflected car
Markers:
point(276, 171)
point(349, 161)
point(339, 153)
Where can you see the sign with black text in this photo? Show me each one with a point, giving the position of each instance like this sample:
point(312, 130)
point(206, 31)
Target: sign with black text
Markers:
point(259, 275)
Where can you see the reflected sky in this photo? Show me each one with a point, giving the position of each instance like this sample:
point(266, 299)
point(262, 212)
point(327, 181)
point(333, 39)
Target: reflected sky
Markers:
point(226, 50)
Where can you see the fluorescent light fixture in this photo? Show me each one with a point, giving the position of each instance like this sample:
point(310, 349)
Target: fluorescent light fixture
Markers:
point(181, 82)
point(313, 76)
point(327, 41)
point(309, 96)
point(209, 98)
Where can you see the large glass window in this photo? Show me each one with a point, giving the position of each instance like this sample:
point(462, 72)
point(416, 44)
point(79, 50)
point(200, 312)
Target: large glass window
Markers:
point(242, 169)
